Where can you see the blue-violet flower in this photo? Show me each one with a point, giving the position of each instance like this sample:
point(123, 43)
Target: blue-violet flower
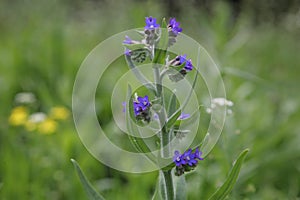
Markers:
point(151, 23)
point(187, 161)
point(127, 52)
point(188, 65)
point(183, 116)
point(141, 106)
point(124, 106)
point(174, 26)
point(127, 40)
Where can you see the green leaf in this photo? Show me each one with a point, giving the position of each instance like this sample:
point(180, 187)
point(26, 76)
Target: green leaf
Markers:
point(134, 46)
point(91, 192)
point(172, 104)
point(139, 55)
point(139, 75)
point(137, 142)
point(205, 140)
point(180, 185)
point(176, 69)
point(175, 77)
point(156, 195)
point(227, 186)
point(171, 120)
point(161, 49)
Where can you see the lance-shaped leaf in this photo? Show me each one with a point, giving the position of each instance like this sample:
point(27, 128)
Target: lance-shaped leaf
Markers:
point(137, 142)
point(134, 46)
point(161, 49)
point(176, 73)
point(171, 120)
point(139, 75)
point(156, 195)
point(227, 186)
point(89, 189)
point(205, 141)
point(172, 105)
point(190, 119)
point(139, 55)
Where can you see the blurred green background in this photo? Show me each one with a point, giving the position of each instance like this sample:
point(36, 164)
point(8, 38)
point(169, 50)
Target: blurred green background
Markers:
point(256, 45)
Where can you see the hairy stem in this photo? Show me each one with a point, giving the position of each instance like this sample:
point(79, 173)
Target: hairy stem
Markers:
point(158, 82)
point(168, 190)
point(167, 183)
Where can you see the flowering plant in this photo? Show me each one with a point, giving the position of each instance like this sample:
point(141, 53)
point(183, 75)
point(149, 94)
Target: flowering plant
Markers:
point(153, 103)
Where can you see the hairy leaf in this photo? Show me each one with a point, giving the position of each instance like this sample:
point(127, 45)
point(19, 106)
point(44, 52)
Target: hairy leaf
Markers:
point(91, 192)
point(227, 186)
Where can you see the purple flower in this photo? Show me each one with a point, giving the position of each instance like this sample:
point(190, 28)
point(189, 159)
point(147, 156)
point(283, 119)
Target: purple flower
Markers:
point(179, 60)
point(177, 159)
point(137, 108)
point(124, 106)
point(198, 154)
point(182, 59)
point(144, 102)
point(141, 105)
point(127, 52)
point(151, 23)
point(183, 116)
point(188, 65)
point(174, 26)
point(190, 158)
point(187, 161)
point(155, 116)
point(127, 40)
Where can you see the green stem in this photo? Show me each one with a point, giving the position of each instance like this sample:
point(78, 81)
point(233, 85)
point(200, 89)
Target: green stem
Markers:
point(161, 113)
point(158, 82)
point(167, 183)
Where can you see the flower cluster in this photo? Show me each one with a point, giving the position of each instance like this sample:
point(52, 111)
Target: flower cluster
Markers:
point(182, 61)
point(139, 51)
point(43, 123)
point(151, 37)
point(187, 161)
point(181, 64)
point(219, 102)
point(173, 26)
point(151, 23)
point(173, 30)
point(141, 106)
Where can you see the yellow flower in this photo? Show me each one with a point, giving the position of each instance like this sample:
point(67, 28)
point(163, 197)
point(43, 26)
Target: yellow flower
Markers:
point(48, 126)
point(18, 116)
point(59, 113)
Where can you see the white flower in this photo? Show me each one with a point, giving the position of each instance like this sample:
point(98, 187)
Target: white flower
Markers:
point(37, 117)
point(25, 97)
point(219, 102)
point(222, 102)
